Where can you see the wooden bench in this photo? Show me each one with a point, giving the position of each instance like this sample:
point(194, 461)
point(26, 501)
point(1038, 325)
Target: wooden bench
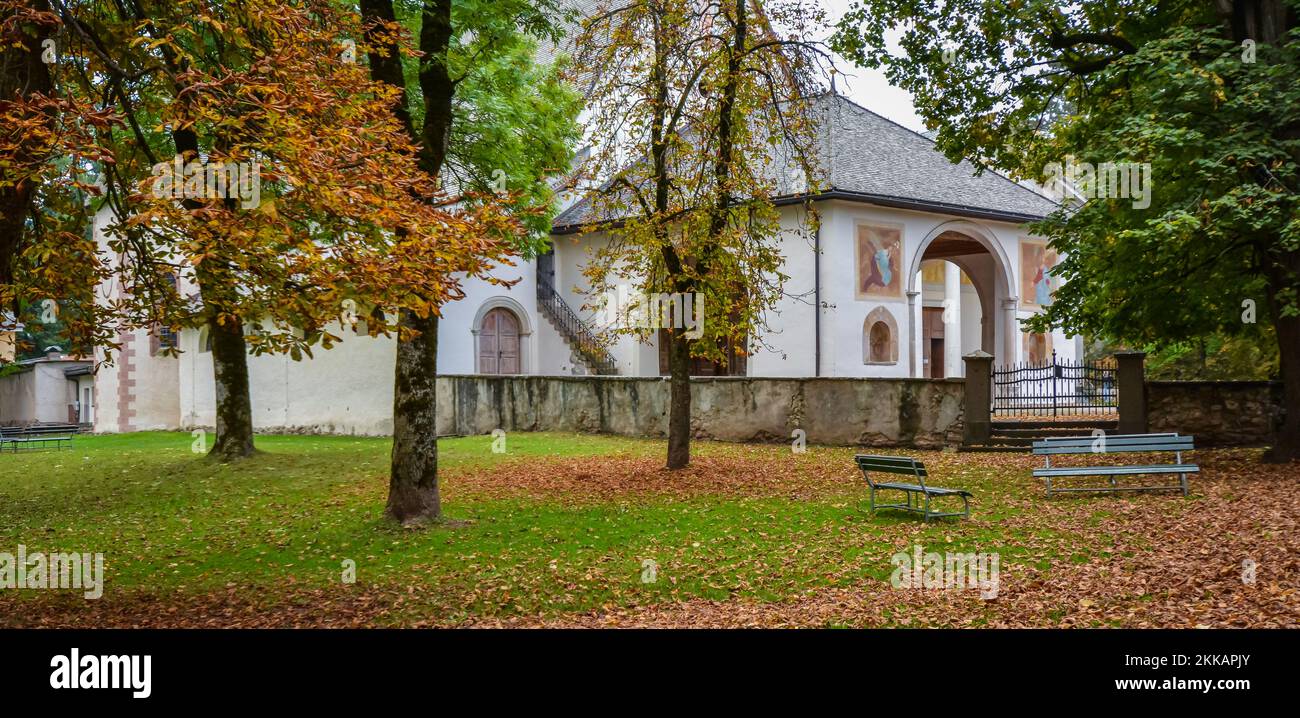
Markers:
point(909, 467)
point(1115, 444)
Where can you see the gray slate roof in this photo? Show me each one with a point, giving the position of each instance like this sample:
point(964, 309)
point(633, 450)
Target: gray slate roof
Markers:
point(871, 159)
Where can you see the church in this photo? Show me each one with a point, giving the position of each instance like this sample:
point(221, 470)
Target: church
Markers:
point(916, 262)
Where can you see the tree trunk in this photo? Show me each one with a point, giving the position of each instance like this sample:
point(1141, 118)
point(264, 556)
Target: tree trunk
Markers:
point(679, 403)
point(1282, 280)
point(234, 408)
point(22, 74)
point(413, 495)
point(1287, 445)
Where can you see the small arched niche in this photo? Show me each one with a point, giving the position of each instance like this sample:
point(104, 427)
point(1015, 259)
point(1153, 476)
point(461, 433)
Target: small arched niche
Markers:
point(879, 337)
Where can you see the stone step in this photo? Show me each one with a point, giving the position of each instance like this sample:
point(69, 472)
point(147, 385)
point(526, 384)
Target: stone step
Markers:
point(1054, 432)
point(987, 448)
point(1106, 424)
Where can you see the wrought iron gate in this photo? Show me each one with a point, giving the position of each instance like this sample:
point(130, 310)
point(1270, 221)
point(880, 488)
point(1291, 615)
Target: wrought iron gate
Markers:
point(1056, 388)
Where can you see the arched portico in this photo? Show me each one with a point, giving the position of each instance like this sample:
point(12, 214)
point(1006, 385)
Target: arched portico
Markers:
point(980, 255)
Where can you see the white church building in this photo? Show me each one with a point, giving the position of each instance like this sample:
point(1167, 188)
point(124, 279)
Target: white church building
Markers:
point(916, 262)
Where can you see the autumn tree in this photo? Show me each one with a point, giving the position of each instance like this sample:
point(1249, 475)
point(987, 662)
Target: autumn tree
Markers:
point(261, 166)
point(701, 118)
point(483, 112)
point(48, 151)
point(1205, 93)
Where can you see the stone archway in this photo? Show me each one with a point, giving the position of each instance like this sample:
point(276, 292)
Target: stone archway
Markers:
point(981, 257)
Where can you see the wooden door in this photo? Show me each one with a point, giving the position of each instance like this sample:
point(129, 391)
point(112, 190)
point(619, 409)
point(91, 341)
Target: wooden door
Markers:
point(932, 342)
point(498, 343)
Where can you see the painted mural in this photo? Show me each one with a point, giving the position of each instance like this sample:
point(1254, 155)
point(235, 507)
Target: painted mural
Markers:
point(880, 261)
point(1036, 281)
point(1037, 347)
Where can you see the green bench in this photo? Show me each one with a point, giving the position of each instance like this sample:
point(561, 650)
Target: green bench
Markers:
point(918, 494)
point(37, 436)
point(19, 443)
point(1115, 444)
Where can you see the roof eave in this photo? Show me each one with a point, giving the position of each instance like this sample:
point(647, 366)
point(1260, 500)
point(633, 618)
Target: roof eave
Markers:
point(849, 196)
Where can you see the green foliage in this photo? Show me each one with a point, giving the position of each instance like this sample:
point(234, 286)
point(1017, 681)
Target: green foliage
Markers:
point(515, 114)
point(1216, 358)
point(1034, 82)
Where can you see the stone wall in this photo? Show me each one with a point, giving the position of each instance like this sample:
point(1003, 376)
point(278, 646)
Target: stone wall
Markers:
point(1217, 413)
point(858, 412)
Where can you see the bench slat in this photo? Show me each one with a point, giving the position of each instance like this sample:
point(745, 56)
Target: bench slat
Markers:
point(890, 464)
point(1118, 470)
point(1116, 439)
point(1113, 445)
point(1135, 449)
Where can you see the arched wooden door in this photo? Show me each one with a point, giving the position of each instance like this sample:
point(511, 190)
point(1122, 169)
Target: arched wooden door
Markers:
point(498, 343)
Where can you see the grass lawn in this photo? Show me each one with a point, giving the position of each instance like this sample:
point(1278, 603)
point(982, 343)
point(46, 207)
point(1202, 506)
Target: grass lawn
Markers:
point(561, 528)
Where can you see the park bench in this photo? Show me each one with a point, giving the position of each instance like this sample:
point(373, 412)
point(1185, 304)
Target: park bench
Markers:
point(38, 430)
point(918, 494)
point(20, 438)
point(1115, 444)
point(20, 443)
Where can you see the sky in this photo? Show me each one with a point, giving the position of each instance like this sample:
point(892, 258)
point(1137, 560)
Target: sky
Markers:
point(867, 87)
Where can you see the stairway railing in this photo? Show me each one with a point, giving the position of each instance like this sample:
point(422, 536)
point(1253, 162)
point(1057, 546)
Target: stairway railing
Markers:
point(580, 336)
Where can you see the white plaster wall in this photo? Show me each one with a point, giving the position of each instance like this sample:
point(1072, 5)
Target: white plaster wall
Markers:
point(788, 347)
point(54, 392)
point(41, 394)
point(347, 389)
point(18, 398)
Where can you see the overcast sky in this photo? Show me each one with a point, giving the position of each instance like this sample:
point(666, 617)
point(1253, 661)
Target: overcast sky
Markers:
point(869, 88)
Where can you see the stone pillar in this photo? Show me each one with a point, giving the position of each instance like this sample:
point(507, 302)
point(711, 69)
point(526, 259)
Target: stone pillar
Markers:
point(1011, 336)
point(952, 361)
point(1130, 382)
point(913, 359)
point(979, 398)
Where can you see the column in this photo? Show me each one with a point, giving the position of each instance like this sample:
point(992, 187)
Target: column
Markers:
point(913, 341)
point(952, 359)
point(1011, 333)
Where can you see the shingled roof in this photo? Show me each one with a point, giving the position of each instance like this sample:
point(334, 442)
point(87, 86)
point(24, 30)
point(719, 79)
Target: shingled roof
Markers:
point(870, 159)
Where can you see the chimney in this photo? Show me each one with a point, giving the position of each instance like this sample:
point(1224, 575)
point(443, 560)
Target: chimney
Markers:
point(53, 352)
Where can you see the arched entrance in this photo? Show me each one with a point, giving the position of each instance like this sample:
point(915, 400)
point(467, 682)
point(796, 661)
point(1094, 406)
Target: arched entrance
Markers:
point(498, 343)
point(942, 327)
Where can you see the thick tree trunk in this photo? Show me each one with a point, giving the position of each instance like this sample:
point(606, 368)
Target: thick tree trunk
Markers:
point(234, 408)
point(1287, 445)
point(679, 403)
point(22, 74)
point(1282, 276)
point(413, 494)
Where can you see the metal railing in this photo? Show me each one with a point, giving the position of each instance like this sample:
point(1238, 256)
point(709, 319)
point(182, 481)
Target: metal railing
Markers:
point(580, 336)
point(1056, 388)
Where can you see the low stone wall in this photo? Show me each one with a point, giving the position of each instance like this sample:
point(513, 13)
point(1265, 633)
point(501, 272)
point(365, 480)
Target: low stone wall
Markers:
point(1217, 413)
point(858, 412)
